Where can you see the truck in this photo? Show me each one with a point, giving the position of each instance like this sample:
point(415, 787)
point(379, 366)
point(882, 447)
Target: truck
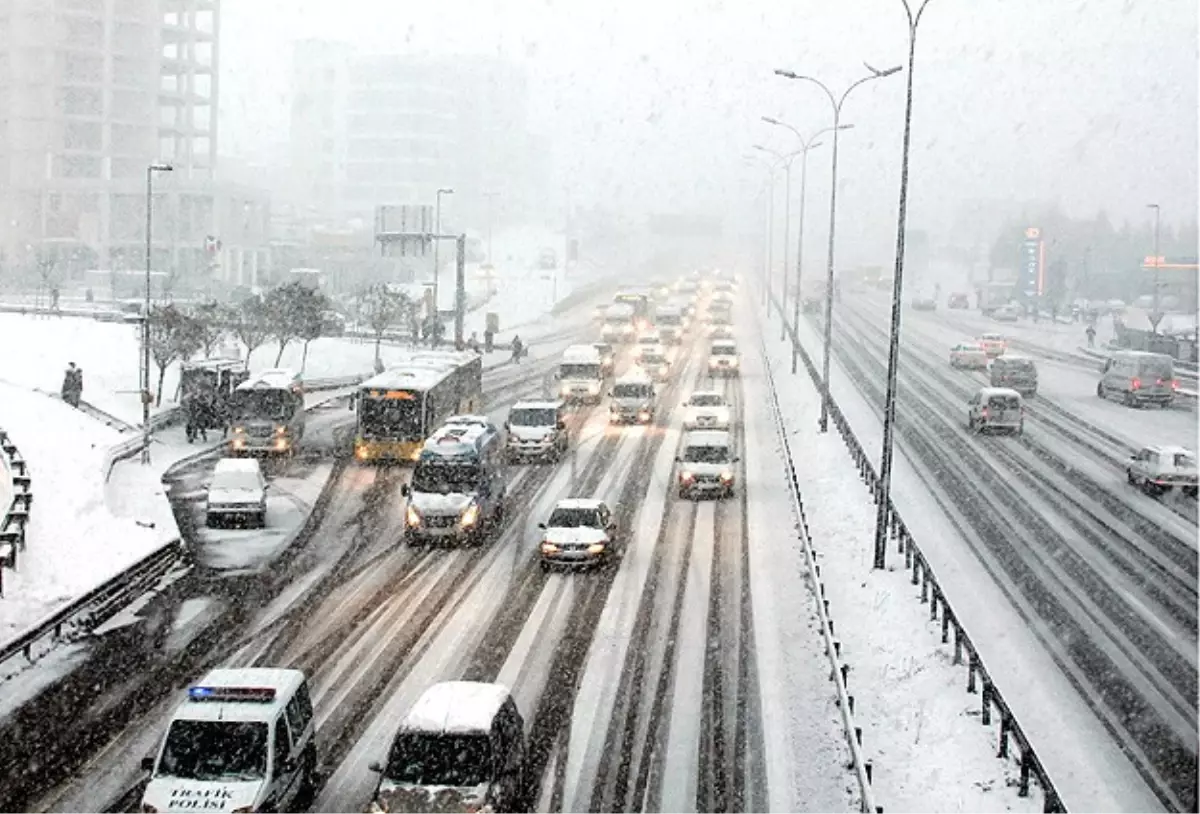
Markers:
point(581, 374)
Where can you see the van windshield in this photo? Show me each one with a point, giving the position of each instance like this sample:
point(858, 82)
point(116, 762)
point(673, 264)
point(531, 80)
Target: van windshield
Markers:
point(425, 759)
point(589, 370)
point(707, 455)
point(533, 417)
point(723, 350)
point(215, 750)
point(706, 400)
point(446, 478)
point(631, 391)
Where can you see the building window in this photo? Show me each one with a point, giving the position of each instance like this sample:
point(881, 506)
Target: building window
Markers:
point(85, 32)
point(79, 166)
point(83, 68)
point(82, 136)
point(81, 101)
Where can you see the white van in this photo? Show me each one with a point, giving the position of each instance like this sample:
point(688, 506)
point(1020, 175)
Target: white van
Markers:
point(1137, 378)
point(996, 408)
point(242, 740)
point(461, 748)
point(581, 374)
point(238, 491)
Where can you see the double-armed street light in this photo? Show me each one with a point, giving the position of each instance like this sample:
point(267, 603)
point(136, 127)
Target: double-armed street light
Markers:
point(836, 103)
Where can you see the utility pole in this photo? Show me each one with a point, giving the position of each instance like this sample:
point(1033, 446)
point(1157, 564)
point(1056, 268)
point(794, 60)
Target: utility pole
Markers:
point(437, 227)
point(150, 170)
point(1156, 315)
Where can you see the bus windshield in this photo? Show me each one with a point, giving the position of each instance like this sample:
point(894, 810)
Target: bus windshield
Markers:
point(386, 418)
point(273, 405)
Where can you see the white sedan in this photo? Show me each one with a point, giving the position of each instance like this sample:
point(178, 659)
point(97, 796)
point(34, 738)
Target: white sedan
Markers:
point(706, 410)
point(968, 355)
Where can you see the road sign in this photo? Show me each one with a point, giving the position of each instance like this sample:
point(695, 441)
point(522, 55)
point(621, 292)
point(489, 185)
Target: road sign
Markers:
point(409, 229)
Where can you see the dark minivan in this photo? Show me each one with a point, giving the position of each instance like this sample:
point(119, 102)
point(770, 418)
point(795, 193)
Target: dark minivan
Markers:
point(1015, 372)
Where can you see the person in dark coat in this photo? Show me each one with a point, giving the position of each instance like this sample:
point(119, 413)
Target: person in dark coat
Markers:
point(489, 341)
point(517, 349)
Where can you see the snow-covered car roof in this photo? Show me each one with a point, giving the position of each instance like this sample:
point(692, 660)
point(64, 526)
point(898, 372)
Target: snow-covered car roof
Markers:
point(707, 438)
point(724, 343)
point(706, 394)
point(585, 503)
point(988, 392)
point(457, 707)
point(237, 465)
point(991, 337)
point(536, 405)
point(1164, 450)
point(968, 346)
point(634, 376)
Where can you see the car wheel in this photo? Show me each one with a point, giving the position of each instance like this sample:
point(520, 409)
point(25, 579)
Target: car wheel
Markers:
point(545, 566)
point(308, 779)
point(971, 423)
point(1100, 390)
point(683, 494)
point(1129, 475)
point(262, 519)
point(1190, 491)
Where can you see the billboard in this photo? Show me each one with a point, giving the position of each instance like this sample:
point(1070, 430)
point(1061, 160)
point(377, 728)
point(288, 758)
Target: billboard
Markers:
point(406, 229)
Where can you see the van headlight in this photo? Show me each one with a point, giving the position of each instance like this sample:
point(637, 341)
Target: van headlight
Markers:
point(470, 516)
point(412, 517)
point(686, 477)
point(726, 477)
point(593, 388)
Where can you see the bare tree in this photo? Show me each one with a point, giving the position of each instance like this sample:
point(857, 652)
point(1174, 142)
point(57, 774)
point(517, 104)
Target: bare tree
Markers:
point(383, 307)
point(249, 323)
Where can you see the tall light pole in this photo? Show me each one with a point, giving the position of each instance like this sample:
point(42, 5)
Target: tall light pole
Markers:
point(786, 161)
point(768, 189)
point(836, 103)
point(150, 170)
point(806, 145)
point(1156, 315)
point(889, 409)
point(437, 227)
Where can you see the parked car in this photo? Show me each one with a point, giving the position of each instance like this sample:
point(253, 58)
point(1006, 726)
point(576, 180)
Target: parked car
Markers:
point(1159, 469)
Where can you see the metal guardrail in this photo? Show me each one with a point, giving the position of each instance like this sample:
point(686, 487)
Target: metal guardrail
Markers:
point(96, 606)
point(16, 516)
point(840, 671)
point(978, 679)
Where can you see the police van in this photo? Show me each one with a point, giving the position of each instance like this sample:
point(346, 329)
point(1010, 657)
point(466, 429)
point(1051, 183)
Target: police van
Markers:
point(458, 486)
point(242, 740)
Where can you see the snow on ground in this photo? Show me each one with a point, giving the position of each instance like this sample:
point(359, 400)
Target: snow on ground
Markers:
point(74, 541)
point(1087, 767)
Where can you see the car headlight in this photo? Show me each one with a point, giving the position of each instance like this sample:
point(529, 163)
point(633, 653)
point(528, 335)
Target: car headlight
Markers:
point(596, 548)
point(412, 516)
point(593, 388)
point(727, 476)
point(238, 443)
point(549, 547)
point(470, 515)
point(239, 430)
point(686, 476)
point(281, 430)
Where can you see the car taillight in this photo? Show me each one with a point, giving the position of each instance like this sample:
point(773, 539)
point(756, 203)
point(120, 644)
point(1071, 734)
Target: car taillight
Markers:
point(984, 412)
point(1136, 384)
point(1174, 384)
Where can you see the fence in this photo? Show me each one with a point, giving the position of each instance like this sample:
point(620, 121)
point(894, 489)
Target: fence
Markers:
point(931, 593)
point(16, 516)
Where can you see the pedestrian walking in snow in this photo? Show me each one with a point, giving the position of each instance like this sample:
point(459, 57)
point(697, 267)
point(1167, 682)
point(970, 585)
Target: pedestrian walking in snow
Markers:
point(1091, 336)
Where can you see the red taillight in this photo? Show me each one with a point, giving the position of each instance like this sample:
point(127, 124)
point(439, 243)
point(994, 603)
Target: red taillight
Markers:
point(984, 412)
point(1136, 384)
point(1174, 384)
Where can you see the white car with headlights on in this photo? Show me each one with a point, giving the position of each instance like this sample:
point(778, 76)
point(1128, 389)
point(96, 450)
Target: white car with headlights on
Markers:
point(706, 410)
point(579, 532)
point(723, 358)
point(705, 465)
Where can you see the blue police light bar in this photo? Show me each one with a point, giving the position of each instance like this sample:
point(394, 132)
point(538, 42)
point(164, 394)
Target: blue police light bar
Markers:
point(262, 695)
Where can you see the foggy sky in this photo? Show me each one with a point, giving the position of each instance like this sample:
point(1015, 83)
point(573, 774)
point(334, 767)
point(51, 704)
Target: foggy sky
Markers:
point(650, 105)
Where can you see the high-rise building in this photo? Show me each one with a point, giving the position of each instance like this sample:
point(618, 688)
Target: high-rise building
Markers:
point(94, 91)
point(371, 129)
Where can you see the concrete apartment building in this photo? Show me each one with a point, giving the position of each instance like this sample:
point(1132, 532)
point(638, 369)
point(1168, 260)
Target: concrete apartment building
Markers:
point(91, 93)
point(373, 129)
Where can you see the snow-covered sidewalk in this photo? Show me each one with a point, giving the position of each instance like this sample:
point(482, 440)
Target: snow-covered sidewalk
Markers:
point(75, 540)
point(921, 728)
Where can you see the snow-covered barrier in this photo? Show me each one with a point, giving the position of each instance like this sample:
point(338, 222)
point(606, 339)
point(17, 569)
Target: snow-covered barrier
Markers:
point(20, 503)
point(839, 670)
point(931, 593)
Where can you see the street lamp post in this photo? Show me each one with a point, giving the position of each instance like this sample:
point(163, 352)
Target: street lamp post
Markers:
point(150, 170)
point(836, 103)
point(786, 161)
point(806, 145)
point(437, 227)
point(1156, 315)
point(889, 409)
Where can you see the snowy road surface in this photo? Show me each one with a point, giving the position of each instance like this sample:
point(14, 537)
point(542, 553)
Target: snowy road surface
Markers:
point(1106, 574)
point(640, 684)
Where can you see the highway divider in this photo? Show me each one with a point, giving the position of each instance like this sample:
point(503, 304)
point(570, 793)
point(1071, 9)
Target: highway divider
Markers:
point(839, 670)
point(931, 593)
point(20, 503)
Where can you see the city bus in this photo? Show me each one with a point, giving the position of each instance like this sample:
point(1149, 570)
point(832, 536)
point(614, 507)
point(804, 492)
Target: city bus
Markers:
point(403, 406)
point(267, 413)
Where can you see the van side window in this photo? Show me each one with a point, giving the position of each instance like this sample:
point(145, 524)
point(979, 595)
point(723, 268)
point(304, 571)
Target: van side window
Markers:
point(297, 720)
point(305, 704)
point(283, 744)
